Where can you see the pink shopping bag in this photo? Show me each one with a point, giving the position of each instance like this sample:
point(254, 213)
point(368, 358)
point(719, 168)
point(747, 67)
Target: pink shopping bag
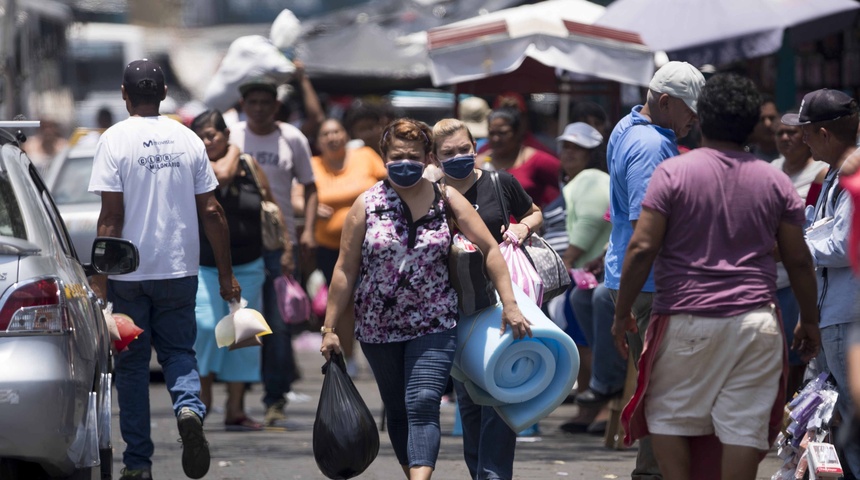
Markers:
point(523, 274)
point(293, 302)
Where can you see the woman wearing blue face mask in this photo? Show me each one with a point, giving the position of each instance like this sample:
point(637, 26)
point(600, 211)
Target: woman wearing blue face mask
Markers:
point(396, 239)
point(488, 442)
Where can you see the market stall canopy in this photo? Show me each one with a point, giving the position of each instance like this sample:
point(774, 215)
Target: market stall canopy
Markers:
point(719, 32)
point(558, 34)
point(380, 45)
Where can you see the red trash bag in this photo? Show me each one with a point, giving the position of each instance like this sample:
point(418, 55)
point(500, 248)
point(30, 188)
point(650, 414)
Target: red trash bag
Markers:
point(345, 438)
point(293, 302)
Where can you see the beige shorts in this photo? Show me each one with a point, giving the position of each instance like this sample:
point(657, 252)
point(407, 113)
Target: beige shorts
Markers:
point(717, 375)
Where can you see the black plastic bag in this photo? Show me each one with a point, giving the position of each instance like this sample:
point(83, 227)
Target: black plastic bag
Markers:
point(346, 440)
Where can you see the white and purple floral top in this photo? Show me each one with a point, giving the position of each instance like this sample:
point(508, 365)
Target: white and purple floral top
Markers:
point(404, 292)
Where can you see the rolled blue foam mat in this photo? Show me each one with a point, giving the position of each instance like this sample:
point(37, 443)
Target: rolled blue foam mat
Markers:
point(525, 380)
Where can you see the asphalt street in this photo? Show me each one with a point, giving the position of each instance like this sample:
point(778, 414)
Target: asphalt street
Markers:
point(288, 454)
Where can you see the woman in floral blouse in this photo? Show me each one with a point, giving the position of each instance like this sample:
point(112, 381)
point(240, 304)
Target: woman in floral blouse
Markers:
point(396, 263)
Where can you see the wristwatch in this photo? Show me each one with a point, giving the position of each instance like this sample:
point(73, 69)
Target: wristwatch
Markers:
point(324, 330)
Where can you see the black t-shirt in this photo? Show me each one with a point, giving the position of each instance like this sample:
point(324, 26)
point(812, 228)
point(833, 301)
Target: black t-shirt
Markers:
point(241, 203)
point(482, 195)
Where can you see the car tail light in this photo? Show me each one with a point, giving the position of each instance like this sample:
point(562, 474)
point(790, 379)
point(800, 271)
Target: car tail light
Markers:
point(35, 307)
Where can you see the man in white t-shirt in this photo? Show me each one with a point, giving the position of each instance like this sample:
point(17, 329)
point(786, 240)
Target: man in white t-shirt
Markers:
point(284, 155)
point(155, 180)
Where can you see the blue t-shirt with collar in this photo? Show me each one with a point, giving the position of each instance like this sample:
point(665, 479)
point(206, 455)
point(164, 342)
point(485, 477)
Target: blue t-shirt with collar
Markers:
point(635, 148)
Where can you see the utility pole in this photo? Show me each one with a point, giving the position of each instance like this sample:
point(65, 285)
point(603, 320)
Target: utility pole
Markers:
point(11, 97)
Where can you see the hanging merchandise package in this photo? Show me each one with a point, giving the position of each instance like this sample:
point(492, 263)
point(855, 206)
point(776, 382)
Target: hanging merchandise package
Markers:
point(242, 327)
point(345, 439)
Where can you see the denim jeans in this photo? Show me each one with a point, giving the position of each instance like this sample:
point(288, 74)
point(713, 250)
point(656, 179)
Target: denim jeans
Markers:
point(488, 442)
point(595, 311)
point(278, 364)
point(164, 309)
point(790, 312)
point(834, 347)
point(411, 377)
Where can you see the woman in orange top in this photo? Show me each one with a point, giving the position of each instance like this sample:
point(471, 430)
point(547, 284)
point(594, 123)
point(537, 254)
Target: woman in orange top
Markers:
point(341, 175)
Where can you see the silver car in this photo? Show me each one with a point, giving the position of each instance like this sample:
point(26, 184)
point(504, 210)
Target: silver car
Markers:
point(67, 180)
point(54, 344)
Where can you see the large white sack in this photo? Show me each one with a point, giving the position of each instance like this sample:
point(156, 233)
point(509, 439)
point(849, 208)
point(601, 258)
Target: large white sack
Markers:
point(248, 57)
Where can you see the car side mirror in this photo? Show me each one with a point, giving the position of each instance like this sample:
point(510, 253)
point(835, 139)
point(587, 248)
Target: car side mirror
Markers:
point(114, 256)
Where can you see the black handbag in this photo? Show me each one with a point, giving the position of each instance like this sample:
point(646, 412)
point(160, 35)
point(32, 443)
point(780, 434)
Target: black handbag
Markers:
point(475, 290)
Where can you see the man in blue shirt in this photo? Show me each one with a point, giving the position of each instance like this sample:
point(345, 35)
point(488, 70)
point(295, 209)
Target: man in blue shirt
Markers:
point(829, 120)
point(638, 143)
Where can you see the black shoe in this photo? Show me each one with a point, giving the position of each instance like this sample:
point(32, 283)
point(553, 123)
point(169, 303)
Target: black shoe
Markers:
point(590, 398)
point(572, 427)
point(140, 474)
point(195, 448)
point(598, 427)
point(570, 399)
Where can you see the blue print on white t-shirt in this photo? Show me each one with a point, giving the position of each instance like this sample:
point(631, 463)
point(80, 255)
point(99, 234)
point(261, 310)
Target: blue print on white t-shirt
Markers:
point(154, 163)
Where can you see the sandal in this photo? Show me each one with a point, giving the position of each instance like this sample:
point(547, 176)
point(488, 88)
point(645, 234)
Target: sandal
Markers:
point(243, 424)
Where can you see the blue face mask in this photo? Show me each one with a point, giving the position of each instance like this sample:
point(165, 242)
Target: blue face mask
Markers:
point(459, 167)
point(404, 173)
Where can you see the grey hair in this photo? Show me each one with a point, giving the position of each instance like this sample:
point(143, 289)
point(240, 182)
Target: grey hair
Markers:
point(652, 96)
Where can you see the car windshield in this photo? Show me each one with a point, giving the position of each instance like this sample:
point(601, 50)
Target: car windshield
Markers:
point(72, 181)
point(11, 220)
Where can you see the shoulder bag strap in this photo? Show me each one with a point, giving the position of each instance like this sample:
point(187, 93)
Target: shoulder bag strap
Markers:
point(449, 215)
point(252, 169)
point(494, 177)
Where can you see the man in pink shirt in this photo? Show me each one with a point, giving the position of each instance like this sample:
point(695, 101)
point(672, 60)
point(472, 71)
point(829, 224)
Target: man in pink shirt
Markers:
point(710, 222)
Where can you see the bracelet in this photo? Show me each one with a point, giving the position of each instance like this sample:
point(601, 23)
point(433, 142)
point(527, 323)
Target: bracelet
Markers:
point(324, 330)
point(528, 228)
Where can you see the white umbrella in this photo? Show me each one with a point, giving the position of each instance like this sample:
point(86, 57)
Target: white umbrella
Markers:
point(556, 33)
point(721, 31)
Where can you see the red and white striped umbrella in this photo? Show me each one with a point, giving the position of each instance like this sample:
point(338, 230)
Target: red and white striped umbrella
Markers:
point(556, 33)
point(720, 32)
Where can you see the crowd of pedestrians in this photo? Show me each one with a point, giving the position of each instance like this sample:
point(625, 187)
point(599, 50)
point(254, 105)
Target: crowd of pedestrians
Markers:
point(722, 270)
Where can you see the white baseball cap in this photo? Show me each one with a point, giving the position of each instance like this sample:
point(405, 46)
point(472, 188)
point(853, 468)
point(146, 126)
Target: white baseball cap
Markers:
point(581, 134)
point(680, 80)
point(473, 111)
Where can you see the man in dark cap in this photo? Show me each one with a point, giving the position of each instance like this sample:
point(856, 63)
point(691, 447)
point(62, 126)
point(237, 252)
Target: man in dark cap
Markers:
point(829, 120)
point(155, 180)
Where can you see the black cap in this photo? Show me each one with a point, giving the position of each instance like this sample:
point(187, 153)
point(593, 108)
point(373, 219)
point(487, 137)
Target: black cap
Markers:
point(143, 77)
point(821, 106)
point(265, 84)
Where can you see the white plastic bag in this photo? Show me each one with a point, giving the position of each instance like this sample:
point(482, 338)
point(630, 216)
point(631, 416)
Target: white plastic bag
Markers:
point(104, 426)
point(242, 327)
point(84, 450)
point(110, 322)
point(248, 57)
